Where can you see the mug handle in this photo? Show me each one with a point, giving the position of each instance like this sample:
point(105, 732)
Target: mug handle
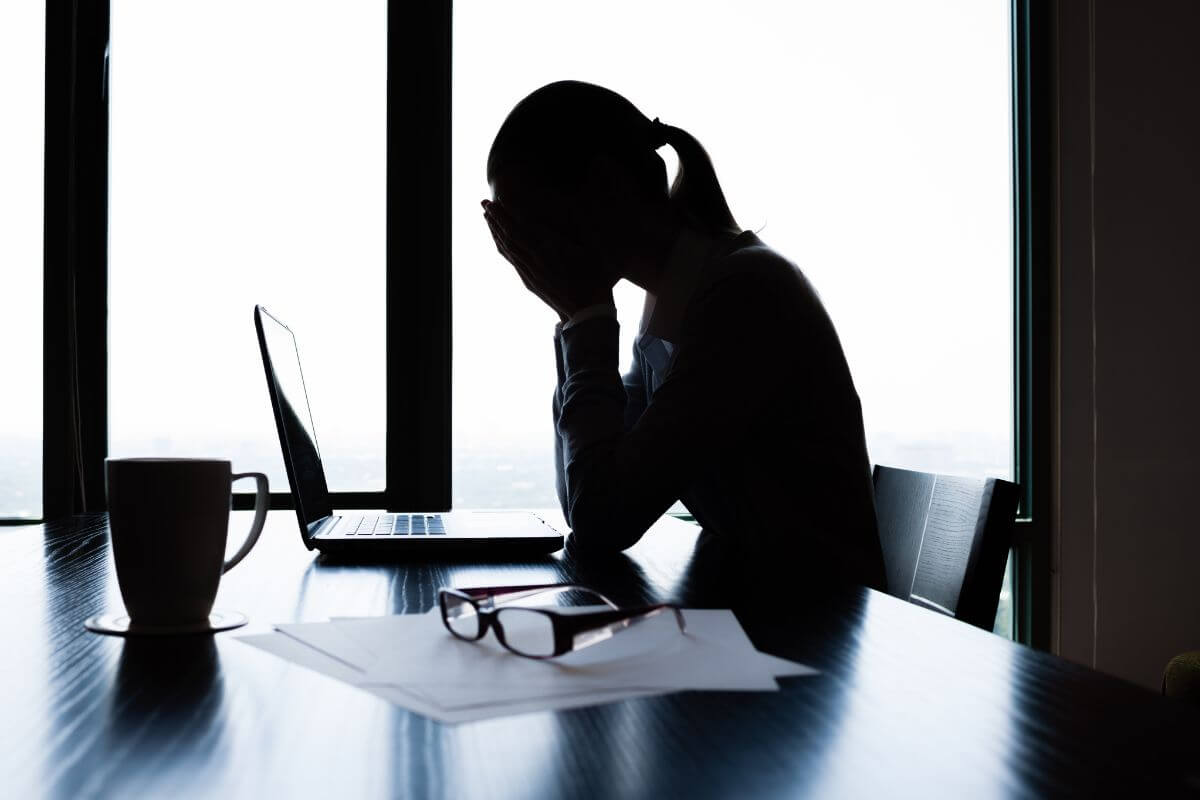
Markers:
point(261, 501)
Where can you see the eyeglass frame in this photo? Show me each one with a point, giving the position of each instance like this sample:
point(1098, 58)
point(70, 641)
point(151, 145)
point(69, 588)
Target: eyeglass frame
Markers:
point(567, 628)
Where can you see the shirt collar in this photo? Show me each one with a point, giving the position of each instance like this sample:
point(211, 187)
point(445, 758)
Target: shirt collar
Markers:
point(683, 273)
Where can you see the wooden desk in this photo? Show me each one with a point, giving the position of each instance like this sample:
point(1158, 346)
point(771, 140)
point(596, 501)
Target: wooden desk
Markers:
point(909, 703)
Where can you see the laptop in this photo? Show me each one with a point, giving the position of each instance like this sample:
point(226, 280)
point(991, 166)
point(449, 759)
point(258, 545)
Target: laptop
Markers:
point(479, 533)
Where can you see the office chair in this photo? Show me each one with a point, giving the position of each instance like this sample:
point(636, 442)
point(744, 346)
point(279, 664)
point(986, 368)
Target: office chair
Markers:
point(1181, 678)
point(945, 540)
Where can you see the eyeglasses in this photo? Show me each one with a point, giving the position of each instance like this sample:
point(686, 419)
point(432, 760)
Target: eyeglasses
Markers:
point(538, 632)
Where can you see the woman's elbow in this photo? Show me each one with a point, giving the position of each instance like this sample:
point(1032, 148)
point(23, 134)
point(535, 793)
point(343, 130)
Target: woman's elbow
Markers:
point(593, 531)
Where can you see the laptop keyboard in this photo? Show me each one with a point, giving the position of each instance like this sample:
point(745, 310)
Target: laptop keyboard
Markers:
point(394, 525)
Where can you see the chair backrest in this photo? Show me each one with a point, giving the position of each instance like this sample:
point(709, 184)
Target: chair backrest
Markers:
point(945, 540)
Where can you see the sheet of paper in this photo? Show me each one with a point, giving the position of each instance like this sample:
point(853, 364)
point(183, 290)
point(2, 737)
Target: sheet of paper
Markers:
point(331, 640)
point(782, 668)
point(715, 625)
point(416, 650)
point(296, 652)
point(328, 650)
point(720, 622)
point(461, 698)
point(492, 711)
point(412, 661)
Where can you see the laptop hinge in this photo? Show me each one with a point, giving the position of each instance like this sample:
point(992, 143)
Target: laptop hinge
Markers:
point(324, 525)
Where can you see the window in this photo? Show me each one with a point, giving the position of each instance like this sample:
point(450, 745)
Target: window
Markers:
point(869, 142)
point(23, 99)
point(247, 165)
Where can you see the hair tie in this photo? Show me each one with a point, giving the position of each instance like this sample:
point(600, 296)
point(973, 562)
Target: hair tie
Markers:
point(658, 134)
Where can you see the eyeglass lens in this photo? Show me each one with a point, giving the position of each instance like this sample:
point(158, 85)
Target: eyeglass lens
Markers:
point(528, 632)
point(461, 617)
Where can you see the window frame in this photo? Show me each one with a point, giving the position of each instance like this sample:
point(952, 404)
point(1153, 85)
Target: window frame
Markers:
point(418, 291)
point(75, 375)
point(1034, 83)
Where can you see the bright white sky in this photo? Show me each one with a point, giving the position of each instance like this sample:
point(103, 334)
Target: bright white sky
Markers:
point(248, 146)
point(866, 141)
point(22, 92)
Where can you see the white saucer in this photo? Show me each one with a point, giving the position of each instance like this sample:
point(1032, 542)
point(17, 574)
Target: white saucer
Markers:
point(120, 625)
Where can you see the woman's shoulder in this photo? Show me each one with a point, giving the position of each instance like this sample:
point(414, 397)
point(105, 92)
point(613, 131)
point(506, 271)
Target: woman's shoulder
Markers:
point(762, 290)
point(750, 262)
point(753, 285)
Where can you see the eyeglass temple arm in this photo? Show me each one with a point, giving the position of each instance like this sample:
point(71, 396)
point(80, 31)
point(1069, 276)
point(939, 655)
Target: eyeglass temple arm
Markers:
point(513, 593)
point(576, 631)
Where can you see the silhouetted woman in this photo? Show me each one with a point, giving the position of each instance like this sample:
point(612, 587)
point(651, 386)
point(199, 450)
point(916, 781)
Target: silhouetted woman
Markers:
point(739, 402)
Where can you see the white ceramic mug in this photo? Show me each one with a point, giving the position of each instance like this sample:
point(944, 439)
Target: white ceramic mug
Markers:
point(169, 521)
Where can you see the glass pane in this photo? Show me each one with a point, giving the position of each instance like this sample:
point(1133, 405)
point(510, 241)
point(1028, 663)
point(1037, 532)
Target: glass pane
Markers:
point(22, 99)
point(1005, 624)
point(248, 153)
point(841, 134)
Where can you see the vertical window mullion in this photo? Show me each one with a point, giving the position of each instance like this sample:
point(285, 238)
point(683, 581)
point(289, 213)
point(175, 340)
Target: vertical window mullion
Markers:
point(418, 256)
point(75, 401)
point(1033, 212)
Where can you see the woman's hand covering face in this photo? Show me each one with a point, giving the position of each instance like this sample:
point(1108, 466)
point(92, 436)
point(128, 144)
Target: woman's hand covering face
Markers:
point(564, 275)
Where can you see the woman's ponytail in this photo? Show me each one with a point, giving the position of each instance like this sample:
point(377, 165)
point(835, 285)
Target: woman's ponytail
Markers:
point(696, 193)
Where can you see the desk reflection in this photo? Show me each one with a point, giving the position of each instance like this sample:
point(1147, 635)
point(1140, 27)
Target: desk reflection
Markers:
point(908, 702)
point(636, 739)
point(169, 677)
point(165, 713)
point(970, 708)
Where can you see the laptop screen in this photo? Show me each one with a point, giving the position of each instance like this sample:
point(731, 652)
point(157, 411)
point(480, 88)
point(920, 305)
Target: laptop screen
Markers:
point(298, 436)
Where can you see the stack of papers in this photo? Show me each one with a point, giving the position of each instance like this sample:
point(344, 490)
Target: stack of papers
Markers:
point(411, 660)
